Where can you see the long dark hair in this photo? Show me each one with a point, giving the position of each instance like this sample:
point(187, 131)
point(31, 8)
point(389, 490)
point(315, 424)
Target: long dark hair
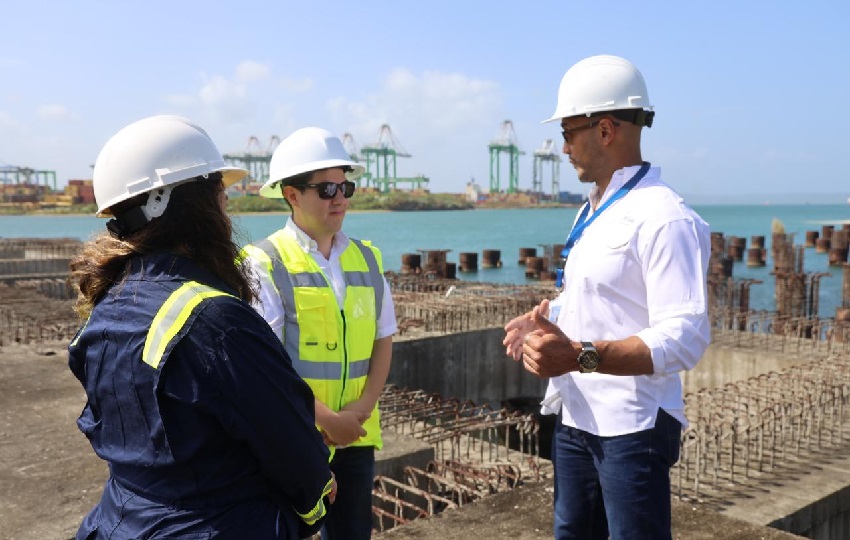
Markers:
point(193, 225)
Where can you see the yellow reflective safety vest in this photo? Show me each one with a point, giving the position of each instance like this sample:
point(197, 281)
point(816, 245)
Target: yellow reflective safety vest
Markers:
point(331, 349)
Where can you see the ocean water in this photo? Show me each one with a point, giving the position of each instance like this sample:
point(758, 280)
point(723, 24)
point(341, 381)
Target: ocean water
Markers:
point(508, 230)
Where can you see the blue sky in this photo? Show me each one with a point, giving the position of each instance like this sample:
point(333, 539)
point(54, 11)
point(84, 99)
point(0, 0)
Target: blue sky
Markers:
point(750, 96)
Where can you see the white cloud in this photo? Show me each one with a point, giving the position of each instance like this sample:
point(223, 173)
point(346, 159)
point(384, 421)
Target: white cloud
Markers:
point(249, 71)
point(285, 121)
point(297, 86)
point(180, 100)
point(7, 121)
point(443, 119)
point(226, 101)
point(55, 112)
point(435, 100)
point(9, 61)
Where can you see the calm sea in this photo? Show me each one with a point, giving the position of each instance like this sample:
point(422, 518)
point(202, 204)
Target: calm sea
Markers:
point(508, 230)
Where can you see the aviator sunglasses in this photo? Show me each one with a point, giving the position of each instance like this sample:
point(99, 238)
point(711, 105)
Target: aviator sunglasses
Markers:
point(328, 190)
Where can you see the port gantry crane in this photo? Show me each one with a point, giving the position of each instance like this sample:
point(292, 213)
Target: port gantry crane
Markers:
point(546, 153)
point(353, 150)
point(11, 174)
point(505, 143)
point(382, 154)
point(255, 159)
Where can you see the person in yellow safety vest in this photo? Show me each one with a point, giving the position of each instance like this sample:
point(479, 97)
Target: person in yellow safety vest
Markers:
point(190, 397)
point(325, 296)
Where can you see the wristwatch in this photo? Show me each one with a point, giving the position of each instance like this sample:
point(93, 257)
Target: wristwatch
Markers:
point(588, 358)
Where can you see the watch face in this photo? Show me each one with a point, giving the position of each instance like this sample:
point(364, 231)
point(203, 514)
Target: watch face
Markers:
point(588, 360)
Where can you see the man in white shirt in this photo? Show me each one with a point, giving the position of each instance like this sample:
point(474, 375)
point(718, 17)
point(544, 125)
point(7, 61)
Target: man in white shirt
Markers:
point(325, 296)
point(631, 315)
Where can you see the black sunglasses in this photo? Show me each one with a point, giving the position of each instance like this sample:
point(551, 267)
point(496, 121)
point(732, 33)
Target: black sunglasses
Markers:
point(328, 190)
point(568, 132)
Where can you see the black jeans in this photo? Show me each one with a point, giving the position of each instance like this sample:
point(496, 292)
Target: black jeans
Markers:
point(350, 516)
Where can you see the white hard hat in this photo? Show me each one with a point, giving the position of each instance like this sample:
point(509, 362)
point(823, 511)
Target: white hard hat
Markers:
point(307, 149)
point(602, 83)
point(155, 154)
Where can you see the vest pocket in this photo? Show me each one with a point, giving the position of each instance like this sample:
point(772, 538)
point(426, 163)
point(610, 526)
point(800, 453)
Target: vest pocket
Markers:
point(314, 321)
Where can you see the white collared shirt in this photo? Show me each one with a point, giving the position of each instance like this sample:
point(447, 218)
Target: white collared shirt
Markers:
point(638, 269)
point(270, 305)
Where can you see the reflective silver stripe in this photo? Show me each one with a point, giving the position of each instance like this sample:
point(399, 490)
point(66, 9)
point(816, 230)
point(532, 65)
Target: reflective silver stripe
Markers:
point(80, 332)
point(283, 284)
point(319, 510)
point(358, 368)
point(279, 275)
point(320, 371)
point(362, 279)
point(309, 279)
point(314, 514)
point(329, 371)
point(172, 316)
point(374, 274)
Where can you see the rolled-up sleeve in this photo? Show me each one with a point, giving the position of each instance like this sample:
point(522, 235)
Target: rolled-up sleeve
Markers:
point(387, 323)
point(675, 264)
point(268, 303)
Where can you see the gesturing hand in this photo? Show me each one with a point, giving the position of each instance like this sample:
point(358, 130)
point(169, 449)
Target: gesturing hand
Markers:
point(518, 328)
point(546, 350)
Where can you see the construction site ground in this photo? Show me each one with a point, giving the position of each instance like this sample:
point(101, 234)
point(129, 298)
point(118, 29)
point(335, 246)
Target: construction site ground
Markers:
point(50, 478)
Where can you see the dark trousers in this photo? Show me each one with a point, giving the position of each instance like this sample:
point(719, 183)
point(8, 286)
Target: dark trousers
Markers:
point(350, 516)
point(614, 485)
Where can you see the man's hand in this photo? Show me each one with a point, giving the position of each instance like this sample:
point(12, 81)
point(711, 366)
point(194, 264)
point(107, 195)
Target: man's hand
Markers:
point(546, 350)
point(361, 405)
point(332, 494)
point(344, 427)
point(517, 329)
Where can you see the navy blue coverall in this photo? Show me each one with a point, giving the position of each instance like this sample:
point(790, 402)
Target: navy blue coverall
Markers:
point(211, 437)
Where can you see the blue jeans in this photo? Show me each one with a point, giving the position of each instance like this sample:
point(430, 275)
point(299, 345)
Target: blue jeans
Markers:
point(350, 516)
point(614, 485)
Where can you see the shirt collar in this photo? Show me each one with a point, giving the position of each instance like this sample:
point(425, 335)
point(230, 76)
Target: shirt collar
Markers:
point(619, 178)
point(306, 243)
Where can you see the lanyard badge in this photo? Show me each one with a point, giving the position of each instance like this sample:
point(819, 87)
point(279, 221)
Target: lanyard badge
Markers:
point(584, 221)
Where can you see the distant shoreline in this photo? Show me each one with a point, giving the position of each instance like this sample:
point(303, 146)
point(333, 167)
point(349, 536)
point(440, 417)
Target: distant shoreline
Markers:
point(50, 213)
point(58, 212)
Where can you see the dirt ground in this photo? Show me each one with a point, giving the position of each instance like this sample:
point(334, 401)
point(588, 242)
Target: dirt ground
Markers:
point(49, 475)
point(50, 478)
point(525, 513)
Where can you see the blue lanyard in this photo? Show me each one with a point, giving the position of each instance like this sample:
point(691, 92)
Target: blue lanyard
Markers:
point(583, 221)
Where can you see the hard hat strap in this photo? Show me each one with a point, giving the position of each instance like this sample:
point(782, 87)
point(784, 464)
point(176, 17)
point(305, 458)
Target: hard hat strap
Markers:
point(129, 222)
point(137, 217)
point(639, 117)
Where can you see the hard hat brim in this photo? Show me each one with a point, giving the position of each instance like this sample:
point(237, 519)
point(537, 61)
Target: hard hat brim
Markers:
point(271, 189)
point(231, 175)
